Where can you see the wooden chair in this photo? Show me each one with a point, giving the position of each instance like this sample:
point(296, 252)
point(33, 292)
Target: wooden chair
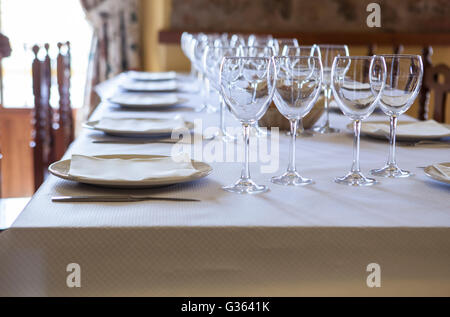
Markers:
point(432, 83)
point(42, 144)
point(10, 208)
point(64, 124)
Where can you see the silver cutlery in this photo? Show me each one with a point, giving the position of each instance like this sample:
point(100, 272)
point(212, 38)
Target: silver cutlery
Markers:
point(119, 198)
point(170, 141)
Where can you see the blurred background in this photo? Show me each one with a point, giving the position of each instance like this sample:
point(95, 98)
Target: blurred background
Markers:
point(110, 36)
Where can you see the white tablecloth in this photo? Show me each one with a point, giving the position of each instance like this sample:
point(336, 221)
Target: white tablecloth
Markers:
point(314, 240)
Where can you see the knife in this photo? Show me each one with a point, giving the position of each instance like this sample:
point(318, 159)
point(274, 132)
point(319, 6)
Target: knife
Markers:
point(115, 198)
point(134, 141)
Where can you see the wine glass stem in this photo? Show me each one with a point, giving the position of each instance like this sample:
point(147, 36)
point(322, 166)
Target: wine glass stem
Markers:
point(206, 87)
point(392, 140)
point(222, 115)
point(245, 174)
point(192, 75)
point(327, 95)
point(294, 126)
point(357, 128)
point(300, 127)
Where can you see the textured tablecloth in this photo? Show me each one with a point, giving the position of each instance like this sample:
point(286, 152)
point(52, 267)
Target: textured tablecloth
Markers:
point(314, 240)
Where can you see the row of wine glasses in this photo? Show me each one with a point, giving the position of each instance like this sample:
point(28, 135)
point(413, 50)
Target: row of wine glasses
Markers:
point(248, 85)
point(248, 72)
point(195, 46)
point(358, 83)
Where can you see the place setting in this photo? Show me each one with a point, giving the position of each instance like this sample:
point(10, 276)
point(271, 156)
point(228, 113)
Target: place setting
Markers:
point(140, 127)
point(146, 101)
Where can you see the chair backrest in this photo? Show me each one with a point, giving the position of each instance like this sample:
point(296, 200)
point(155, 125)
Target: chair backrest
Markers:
point(64, 127)
point(42, 143)
point(432, 83)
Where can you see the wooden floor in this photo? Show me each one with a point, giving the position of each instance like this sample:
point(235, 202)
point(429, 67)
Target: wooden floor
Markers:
point(17, 161)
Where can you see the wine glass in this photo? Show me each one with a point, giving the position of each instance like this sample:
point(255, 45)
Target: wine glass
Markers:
point(261, 40)
point(238, 77)
point(258, 51)
point(198, 49)
point(211, 59)
point(280, 44)
point(186, 39)
point(328, 53)
point(357, 83)
point(303, 50)
point(239, 39)
point(403, 81)
point(297, 87)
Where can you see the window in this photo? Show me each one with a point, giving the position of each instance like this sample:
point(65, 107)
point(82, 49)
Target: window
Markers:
point(29, 22)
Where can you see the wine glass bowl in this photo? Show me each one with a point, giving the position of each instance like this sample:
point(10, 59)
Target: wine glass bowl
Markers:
point(301, 50)
point(357, 84)
point(280, 43)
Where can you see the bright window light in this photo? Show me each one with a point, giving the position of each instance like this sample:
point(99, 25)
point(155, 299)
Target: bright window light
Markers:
point(29, 22)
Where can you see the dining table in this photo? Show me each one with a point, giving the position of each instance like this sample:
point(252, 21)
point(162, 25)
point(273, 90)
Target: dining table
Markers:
point(325, 239)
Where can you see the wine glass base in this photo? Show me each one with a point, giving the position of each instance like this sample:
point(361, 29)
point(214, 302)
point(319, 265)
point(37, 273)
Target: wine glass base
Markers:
point(291, 179)
point(355, 179)
point(391, 171)
point(326, 130)
point(245, 186)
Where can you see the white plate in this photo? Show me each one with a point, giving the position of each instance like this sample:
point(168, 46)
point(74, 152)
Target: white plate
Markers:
point(146, 101)
point(399, 136)
point(124, 133)
point(149, 86)
point(152, 76)
point(430, 171)
point(61, 169)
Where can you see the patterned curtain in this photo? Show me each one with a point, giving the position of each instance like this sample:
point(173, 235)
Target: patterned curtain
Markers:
point(115, 42)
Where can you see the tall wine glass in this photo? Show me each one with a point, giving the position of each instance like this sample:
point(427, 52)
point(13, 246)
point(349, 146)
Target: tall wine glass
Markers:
point(403, 81)
point(238, 76)
point(357, 83)
point(328, 53)
point(298, 85)
point(301, 50)
point(212, 58)
point(280, 44)
point(186, 39)
point(261, 40)
point(258, 51)
point(198, 49)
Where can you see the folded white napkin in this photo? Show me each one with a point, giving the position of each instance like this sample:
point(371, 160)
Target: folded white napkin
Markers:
point(444, 170)
point(140, 124)
point(140, 99)
point(136, 169)
point(418, 128)
point(168, 85)
point(149, 76)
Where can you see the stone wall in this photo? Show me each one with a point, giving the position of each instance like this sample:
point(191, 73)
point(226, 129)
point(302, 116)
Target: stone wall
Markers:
point(309, 15)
